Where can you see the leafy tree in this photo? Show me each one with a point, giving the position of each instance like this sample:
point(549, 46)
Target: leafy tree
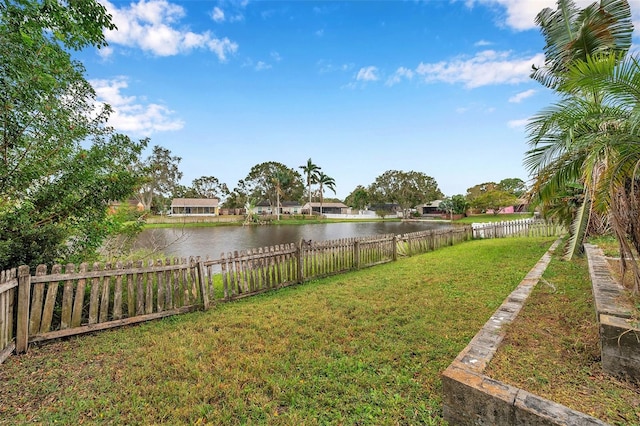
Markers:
point(515, 186)
point(325, 182)
point(124, 225)
point(311, 173)
point(209, 187)
point(494, 200)
point(358, 199)
point(161, 178)
point(407, 189)
point(477, 190)
point(237, 199)
point(60, 165)
point(456, 204)
point(260, 184)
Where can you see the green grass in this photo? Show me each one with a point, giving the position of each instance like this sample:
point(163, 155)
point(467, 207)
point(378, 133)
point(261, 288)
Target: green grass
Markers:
point(365, 347)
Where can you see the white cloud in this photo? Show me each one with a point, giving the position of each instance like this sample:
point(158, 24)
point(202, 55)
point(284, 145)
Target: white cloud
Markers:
point(515, 124)
point(217, 14)
point(275, 56)
point(519, 97)
point(131, 115)
point(485, 68)
point(520, 14)
point(482, 43)
point(150, 25)
point(262, 66)
point(367, 74)
point(105, 52)
point(328, 67)
point(400, 74)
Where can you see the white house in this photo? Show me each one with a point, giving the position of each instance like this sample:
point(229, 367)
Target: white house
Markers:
point(194, 206)
point(328, 208)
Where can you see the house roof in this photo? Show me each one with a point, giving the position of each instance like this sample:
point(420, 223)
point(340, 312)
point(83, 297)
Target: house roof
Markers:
point(194, 202)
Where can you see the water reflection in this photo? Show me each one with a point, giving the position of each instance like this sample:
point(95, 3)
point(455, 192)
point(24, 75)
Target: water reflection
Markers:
point(185, 242)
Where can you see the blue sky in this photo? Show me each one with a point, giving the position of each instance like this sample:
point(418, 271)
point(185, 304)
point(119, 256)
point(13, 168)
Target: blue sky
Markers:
point(360, 87)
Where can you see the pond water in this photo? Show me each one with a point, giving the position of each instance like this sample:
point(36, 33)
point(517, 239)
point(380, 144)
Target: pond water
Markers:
point(212, 241)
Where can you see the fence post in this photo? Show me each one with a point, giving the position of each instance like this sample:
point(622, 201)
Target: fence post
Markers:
point(203, 284)
point(24, 299)
point(300, 263)
point(356, 254)
point(394, 253)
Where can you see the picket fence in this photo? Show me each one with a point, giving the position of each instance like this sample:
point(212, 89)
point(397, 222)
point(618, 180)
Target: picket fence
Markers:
point(70, 300)
point(517, 228)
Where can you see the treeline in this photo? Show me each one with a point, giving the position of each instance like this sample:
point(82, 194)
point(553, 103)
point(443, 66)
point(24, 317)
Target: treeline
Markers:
point(273, 182)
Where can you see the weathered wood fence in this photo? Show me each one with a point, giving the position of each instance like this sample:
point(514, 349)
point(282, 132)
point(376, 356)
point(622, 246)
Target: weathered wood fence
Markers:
point(69, 300)
point(8, 292)
point(517, 228)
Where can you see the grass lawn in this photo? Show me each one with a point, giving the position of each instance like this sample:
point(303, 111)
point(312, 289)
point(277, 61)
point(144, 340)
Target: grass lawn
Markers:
point(365, 347)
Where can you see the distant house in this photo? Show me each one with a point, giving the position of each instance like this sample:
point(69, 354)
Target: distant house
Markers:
point(194, 206)
point(290, 207)
point(430, 209)
point(263, 207)
point(521, 206)
point(327, 208)
point(286, 207)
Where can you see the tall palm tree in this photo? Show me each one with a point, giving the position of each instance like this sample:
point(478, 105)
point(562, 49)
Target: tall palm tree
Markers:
point(311, 171)
point(594, 140)
point(567, 137)
point(325, 182)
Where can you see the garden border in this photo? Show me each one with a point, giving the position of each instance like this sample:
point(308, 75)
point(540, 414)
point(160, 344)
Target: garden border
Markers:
point(619, 338)
point(472, 398)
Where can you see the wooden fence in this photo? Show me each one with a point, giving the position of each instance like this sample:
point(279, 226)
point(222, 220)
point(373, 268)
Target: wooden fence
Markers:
point(517, 228)
point(8, 285)
point(69, 300)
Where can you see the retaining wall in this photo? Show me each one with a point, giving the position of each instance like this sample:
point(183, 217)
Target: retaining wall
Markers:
point(619, 335)
point(472, 398)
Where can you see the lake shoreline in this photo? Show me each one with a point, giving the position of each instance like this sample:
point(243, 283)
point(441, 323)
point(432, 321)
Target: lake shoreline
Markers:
point(214, 221)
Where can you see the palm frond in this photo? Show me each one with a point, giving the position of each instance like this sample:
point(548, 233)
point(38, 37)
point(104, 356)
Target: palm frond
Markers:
point(578, 228)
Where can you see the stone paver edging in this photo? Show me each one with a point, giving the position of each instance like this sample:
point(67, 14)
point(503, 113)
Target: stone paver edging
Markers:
point(471, 398)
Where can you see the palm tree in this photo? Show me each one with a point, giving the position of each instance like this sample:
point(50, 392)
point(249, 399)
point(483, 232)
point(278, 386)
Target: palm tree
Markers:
point(281, 179)
point(325, 181)
point(594, 141)
point(311, 171)
point(567, 137)
point(572, 34)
